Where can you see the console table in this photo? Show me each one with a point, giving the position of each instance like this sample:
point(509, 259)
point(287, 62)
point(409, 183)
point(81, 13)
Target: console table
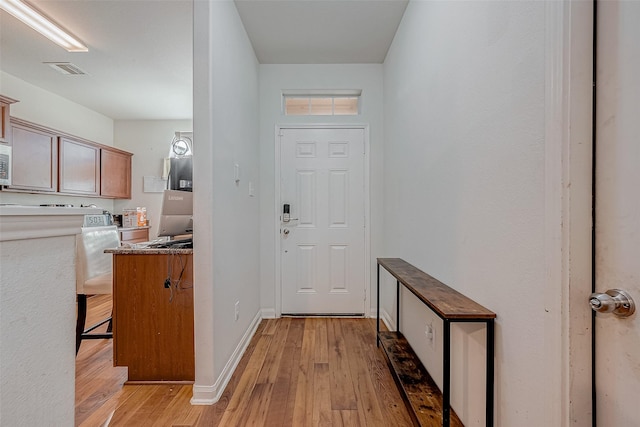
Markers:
point(420, 392)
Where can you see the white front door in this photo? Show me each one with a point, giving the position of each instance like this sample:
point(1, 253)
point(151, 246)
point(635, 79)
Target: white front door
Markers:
point(617, 223)
point(322, 246)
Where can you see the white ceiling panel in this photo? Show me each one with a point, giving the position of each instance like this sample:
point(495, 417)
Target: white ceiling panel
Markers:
point(139, 64)
point(321, 31)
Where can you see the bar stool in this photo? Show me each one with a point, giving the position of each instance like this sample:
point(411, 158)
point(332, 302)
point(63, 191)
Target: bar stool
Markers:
point(94, 275)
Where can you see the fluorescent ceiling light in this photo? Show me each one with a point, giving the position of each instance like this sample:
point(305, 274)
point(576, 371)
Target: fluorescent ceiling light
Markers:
point(43, 25)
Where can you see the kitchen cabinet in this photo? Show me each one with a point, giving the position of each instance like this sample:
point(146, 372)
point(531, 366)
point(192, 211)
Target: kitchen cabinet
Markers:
point(5, 126)
point(34, 158)
point(79, 167)
point(48, 161)
point(134, 235)
point(115, 173)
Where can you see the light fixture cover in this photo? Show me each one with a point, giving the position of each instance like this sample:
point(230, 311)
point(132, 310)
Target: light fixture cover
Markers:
point(45, 26)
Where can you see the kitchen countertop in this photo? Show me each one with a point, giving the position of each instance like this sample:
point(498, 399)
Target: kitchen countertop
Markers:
point(147, 251)
point(133, 228)
point(10, 210)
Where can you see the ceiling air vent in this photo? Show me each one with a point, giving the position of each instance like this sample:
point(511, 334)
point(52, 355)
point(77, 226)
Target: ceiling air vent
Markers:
point(66, 68)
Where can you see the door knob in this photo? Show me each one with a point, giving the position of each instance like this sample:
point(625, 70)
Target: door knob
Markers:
point(614, 301)
point(286, 231)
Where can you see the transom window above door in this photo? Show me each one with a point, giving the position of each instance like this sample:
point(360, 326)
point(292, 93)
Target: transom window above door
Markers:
point(321, 102)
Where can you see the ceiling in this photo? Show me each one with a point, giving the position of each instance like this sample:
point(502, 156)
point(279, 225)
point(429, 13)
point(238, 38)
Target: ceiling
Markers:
point(321, 32)
point(139, 64)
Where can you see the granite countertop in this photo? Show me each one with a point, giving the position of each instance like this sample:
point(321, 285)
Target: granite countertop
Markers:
point(142, 227)
point(147, 251)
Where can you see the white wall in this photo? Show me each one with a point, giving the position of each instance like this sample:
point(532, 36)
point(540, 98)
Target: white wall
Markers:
point(36, 363)
point(275, 78)
point(149, 141)
point(464, 181)
point(226, 263)
point(48, 109)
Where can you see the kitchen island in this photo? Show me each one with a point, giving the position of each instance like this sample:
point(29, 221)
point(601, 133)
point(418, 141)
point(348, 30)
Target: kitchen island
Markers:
point(153, 314)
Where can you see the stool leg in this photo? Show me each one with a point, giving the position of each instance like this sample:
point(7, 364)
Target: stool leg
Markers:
point(82, 318)
point(110, 325)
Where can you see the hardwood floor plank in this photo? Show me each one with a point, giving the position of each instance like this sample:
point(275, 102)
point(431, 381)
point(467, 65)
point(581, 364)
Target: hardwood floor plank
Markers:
point(322, 398)
point(303, 406)
point(212, 414)
point(255, 412)
point(284, 390)
point(343, 395)
point(347, 419)
point(179, 412)
point(106, 411)
point(368, 405)
point(269, 371)
point(126, 414)
point(95, 384)
point(389, 398)
point(322, 341)
point(97, 381)
point(234, 411)
point(270, 326)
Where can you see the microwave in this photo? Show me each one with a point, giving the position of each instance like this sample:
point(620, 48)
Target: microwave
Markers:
point(5, 164)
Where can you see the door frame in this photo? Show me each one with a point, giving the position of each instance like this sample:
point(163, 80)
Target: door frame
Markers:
point(568, 211)
point(367, 205)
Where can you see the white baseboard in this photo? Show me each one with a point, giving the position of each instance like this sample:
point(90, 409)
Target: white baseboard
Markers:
point(386, 319)
point(210, 394)
point(268, 313)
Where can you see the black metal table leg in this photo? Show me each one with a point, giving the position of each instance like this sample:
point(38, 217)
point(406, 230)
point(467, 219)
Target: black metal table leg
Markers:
point(378, 308)
point(398, 305)
point(490, 371)
point(446, 373)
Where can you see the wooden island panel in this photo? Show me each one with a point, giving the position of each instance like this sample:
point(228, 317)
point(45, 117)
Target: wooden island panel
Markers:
point(153, 331)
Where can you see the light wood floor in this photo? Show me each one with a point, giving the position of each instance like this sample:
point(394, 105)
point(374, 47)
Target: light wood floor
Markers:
point(295, 372)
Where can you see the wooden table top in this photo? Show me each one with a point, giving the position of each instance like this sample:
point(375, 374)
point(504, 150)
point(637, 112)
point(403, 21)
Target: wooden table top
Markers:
point(442, 299)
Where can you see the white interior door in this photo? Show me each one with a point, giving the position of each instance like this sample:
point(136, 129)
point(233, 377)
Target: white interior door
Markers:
point(323, 244)
point(618, 209)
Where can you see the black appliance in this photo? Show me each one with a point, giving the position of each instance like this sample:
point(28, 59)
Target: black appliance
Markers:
point(181, 173)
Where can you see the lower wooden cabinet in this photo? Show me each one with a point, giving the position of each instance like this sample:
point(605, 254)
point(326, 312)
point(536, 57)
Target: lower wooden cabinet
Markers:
point(134, 235)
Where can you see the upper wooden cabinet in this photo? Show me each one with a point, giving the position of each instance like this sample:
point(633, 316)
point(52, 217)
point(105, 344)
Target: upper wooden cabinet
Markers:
point(5, 127)
point(79, 167)
point(45, 160)
point(34, 158)
point(115, 173)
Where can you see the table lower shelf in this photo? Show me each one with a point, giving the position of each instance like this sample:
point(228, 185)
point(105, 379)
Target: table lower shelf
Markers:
point(420, 393)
